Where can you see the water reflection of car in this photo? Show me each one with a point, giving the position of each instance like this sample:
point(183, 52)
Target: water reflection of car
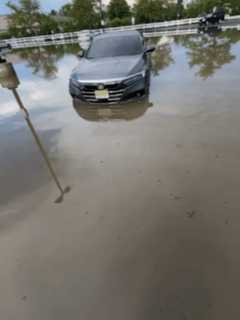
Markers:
point(128, 112)
point(115, 68)
point(213, 18)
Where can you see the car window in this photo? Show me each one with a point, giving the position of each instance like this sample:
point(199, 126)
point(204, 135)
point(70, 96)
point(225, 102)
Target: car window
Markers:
point(115, 46)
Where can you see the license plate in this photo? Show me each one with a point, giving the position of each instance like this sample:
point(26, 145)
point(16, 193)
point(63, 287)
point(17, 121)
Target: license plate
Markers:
point(102, 94)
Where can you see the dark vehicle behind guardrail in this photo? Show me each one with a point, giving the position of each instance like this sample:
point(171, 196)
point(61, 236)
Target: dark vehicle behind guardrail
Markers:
point(213, 18)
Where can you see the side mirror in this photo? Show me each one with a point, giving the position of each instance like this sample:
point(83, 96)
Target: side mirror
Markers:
point(150, 49)
point(80, 54)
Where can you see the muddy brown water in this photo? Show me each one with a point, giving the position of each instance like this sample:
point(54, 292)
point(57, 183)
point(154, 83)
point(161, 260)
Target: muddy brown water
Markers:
point(150, 229)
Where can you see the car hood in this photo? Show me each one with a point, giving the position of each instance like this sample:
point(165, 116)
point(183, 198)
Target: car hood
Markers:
point(108, 68)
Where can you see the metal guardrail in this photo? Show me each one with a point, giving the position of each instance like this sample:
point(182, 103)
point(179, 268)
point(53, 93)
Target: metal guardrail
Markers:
point(84, 36)
point(232, 17)
point(180, 32)
point(171, 33)
point(224, 28)
point(45, 40)
point(156, 25)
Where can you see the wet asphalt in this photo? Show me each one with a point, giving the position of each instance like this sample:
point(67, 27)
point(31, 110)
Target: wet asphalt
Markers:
point(150, 229)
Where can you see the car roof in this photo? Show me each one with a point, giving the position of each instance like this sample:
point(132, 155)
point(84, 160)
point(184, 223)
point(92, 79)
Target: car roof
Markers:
point(110, 34)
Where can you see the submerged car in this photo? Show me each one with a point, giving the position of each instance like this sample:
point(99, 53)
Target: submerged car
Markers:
point(115, 68)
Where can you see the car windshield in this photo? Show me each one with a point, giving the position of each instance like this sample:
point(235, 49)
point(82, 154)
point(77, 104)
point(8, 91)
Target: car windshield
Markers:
point(115, 47)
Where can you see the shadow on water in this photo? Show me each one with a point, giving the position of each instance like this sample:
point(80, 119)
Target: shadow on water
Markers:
point(128, 111)
point(210, 51)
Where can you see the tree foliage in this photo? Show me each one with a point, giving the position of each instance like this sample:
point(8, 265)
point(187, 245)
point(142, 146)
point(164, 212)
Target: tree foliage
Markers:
point(199, 7)
point(48, 25)
point(234, 7)
point(118, 9)
point(66, 10)
point(147, 11)
point(85, 14)
point(117, 22)
point(25, 17)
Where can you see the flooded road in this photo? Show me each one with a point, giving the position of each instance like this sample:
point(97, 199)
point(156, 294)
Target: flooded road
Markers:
point(150, 229)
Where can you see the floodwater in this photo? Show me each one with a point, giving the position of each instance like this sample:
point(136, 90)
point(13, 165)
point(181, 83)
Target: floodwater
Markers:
point(150, 229)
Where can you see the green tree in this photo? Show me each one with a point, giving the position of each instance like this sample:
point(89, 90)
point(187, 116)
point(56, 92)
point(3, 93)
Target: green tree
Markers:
point(199, 7)
point(118, 9)
point(117, 22)
point(234, 6)
point(85, 14)
point(25, 18)
point(48, 25)
point(172, 11)
point(66, 10)
point(146, 11)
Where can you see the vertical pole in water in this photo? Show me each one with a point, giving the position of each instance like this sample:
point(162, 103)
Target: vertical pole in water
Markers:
point(9, 80)
point(41, 148)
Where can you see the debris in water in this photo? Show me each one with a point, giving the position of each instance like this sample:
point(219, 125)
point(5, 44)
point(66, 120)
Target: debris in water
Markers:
point(177, 198)
point(191, 214)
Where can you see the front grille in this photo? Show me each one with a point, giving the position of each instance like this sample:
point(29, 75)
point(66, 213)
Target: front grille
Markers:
point(116, 92)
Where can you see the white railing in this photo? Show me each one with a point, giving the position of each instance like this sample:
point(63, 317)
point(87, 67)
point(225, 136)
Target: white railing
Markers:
point(171, 33)
point(232, 17)
point(156, 25)
point(44, 40)
point(84, 36)
point(236, 27)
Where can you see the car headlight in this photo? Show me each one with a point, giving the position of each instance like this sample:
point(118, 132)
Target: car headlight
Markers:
point(75, 77)
point(135, 78)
